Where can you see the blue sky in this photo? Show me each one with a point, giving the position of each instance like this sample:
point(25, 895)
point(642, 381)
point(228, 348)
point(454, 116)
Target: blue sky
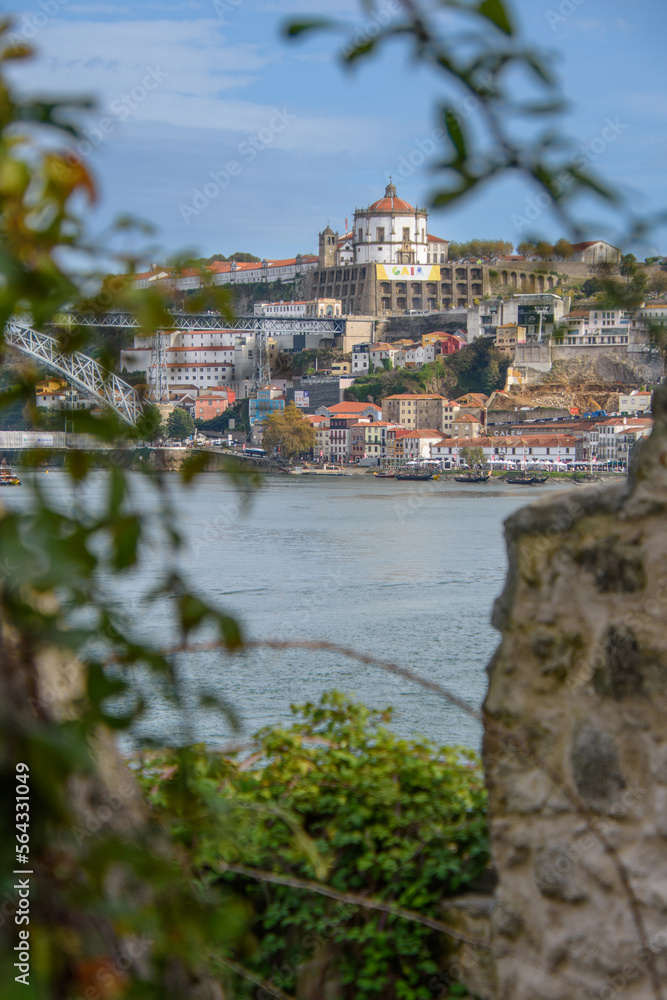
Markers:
point(194, 94)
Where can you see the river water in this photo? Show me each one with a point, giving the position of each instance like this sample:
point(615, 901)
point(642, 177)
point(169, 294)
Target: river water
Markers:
point(403, 571)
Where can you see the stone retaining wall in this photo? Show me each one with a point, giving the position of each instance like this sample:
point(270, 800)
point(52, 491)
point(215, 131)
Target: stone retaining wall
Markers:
point(575, 745)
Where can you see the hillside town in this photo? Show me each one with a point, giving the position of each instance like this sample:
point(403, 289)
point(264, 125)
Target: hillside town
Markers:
point(410, 429)
point(386, 296)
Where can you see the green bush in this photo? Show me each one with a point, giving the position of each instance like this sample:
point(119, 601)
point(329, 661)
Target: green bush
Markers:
point(336, 797)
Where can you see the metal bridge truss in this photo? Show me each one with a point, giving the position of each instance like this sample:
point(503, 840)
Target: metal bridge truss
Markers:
point(109, 390)
point(79, 370)
point(273, 326)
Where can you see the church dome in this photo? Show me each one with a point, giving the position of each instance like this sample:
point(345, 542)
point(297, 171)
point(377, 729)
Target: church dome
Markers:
point(390, 203)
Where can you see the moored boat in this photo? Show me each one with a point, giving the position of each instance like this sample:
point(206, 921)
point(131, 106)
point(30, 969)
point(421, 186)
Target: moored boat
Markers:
point(385, 474)
point(7, 477)
point(419, 475)
point(471, 477)
point(526, 480)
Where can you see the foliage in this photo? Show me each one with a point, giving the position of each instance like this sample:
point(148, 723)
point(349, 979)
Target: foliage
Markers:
point(288, 430)
point(55, 552)
point(245, 258)
point(628, 265)
point(400, 820)
point(100, 880)
point(477, 248)
point(544, 250)
point(238, 413)
point(150, 423)
point(657, 283)
point(180, 424)
point(591, 286)
point(478, 367)
point(300, 364)
point(471, 457)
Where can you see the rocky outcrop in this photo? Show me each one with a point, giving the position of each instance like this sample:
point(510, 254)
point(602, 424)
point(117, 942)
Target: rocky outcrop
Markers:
point(575, 745)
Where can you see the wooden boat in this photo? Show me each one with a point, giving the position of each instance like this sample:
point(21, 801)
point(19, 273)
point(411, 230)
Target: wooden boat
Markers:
point(7, 477)
point(418, 475)
point(526, 480)
point(472, 477)
point(385, 474)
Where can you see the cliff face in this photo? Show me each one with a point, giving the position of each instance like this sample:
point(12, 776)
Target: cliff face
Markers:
point(575, 745)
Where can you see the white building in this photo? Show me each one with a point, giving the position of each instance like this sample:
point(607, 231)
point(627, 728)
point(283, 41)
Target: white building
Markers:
point(391, 231)
point(518, 451)
point(361, 359)
point(630, 404)
point(595, 252)
point(418, 445)
point(315, 307)
point(382, 352)
point(613, 439)
point(197, 359)
point(594, 327)
point(538, 312)
point(228, 273)
point(415, 357)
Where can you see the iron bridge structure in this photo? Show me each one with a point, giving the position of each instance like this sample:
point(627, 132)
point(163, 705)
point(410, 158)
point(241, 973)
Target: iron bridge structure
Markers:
point(80, 371)
point(109, 390)
point(270, 325)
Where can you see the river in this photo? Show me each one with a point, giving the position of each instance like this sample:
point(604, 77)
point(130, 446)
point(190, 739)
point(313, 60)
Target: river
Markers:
point(403, 571)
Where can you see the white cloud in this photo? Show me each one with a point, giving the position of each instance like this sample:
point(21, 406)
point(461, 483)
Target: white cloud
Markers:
point(191, 66)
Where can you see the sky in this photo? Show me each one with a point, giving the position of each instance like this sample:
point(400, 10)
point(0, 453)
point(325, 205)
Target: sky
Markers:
point(226, 137)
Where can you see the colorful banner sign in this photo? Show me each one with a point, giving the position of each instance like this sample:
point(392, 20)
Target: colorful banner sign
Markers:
point(408, 272)
point(301, 399)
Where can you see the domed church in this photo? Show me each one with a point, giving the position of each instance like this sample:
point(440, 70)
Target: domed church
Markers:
point(390, 231)
point(389, 263)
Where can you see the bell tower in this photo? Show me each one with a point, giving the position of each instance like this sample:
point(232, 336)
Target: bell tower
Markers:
point(328, 248)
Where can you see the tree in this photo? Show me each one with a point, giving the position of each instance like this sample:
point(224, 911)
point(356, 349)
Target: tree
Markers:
point(657, 283)
point(563, 248)
point(426, 801)
point(628, 265)
point(244, 258)
point(180, 424)
point(491, 377)
point(102, 881)
point(591, 286)
point(472, 457)
point(150, 423)
point(290, 431)
point(527, 249)
point(544, 250)
point(479, 248)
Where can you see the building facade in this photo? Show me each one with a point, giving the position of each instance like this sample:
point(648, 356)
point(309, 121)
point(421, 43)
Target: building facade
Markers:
point(413, 411)
point(389, 263)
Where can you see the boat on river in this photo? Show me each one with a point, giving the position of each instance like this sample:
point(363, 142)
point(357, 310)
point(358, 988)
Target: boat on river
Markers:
point(526, 480)
point(7, 477)
point(474, 477)
point(385, 474)
point(420, 475)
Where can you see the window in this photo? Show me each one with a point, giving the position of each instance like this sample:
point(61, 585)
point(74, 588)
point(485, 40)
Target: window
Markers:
point(379, 234)
point(406, 234)
point(361, 236)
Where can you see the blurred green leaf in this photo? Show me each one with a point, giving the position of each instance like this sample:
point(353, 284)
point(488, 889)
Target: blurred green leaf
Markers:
point(496, 12)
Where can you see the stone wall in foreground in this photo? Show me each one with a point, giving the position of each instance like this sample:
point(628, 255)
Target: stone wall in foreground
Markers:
point(575, 745)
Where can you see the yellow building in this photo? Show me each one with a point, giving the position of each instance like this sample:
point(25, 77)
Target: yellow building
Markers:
point(508, 336)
